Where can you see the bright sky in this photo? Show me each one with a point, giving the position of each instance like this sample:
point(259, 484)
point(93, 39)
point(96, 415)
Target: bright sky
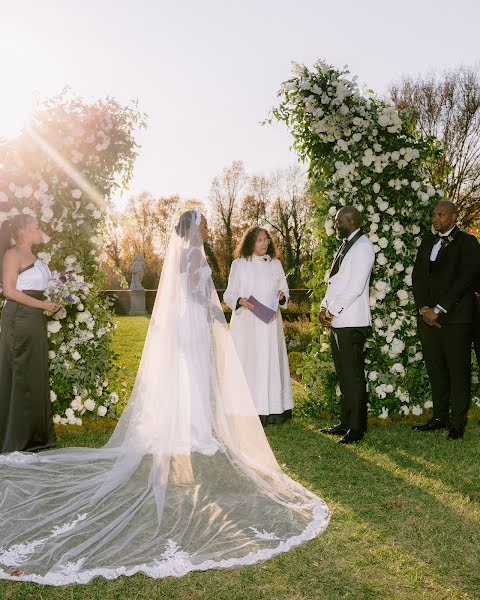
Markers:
point(207, 71)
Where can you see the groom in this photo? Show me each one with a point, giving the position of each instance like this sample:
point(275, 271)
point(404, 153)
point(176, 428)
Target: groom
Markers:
point(345, 311)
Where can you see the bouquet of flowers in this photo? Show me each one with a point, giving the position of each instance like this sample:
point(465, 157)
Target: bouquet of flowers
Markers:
point(67, 289)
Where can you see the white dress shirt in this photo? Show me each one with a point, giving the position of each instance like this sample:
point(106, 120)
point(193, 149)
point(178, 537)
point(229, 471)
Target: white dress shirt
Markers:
point(438, 244)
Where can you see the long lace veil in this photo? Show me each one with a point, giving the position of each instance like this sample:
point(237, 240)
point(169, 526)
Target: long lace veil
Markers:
point(187, 480)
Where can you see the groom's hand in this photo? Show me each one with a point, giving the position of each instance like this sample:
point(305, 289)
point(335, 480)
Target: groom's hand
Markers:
point(325, 318)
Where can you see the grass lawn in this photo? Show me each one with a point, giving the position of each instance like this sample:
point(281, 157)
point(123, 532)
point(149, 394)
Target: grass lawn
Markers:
point(405, 523)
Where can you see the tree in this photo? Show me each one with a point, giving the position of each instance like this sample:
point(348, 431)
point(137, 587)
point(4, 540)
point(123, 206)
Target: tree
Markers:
point(226, 197)
point(448, 108)
point(254, 205)
point(288, 214)
point(140, 232)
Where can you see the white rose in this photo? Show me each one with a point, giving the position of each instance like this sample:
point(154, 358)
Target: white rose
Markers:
point(384, 413)
point(47, 214)
point(382, 204)
point(329, 227)
point(51, 354)
point(376, 188)
point(89, 404)
point(417, 410)
point(77, 194)
point(378, 322)
point(76, 355)
point(383, 120)
point(381, 259)
point(398, 244)
point(54, 326)
point(53, 396)
point(101, 410)
point(396, 348)
point(398, 368)
point(373, 375)
point(383, 242)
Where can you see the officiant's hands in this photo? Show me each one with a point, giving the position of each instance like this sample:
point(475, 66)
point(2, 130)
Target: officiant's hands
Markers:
point(246, 304)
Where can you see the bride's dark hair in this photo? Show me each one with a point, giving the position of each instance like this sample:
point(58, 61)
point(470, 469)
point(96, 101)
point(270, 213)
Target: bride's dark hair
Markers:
point(247, 243)
point(185, 222)
point(9, 231)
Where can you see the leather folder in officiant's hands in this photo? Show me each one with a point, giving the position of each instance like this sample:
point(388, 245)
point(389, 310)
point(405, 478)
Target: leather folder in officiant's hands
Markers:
point(264, 313)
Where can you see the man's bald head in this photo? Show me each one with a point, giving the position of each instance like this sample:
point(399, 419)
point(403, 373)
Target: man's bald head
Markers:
point(449, 206)
point(347, 221)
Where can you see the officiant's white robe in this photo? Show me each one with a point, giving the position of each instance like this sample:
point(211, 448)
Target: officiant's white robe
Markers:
point(260, 346)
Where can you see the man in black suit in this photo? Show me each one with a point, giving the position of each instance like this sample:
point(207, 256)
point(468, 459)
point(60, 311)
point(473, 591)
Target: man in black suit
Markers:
point(444, 279)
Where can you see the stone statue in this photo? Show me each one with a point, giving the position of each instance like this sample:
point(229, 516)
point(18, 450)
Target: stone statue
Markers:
point(137, 270)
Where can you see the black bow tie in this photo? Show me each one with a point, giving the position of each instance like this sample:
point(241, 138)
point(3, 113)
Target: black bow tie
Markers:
point(444, 238)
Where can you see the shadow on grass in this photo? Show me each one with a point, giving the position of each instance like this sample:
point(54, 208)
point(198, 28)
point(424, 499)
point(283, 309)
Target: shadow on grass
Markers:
point(411, 494)
point(404, 525)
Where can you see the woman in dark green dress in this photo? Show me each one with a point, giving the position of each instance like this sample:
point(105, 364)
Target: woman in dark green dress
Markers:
point(25, 412)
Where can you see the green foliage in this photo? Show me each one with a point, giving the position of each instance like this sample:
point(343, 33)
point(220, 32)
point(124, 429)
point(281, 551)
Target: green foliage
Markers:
point(63, 169)
point(362, 152)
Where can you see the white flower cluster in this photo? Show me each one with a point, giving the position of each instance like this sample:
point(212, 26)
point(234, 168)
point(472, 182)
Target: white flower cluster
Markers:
point(362, 152)
point(66, 201)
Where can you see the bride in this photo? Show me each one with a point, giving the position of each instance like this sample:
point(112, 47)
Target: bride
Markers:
point(187, 480)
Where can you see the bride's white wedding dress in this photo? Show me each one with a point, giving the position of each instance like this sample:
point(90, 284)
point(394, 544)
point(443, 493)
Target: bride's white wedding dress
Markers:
point(187, 480)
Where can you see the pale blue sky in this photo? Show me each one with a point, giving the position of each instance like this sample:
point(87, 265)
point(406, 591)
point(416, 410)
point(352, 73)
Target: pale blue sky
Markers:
point(207, 71)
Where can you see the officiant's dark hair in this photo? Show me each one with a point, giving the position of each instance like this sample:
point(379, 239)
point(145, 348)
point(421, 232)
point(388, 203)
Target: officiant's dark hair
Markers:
point(9, 231)
point(247, 243)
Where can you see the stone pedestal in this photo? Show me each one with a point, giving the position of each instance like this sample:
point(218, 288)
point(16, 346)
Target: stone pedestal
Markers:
point(137, 303)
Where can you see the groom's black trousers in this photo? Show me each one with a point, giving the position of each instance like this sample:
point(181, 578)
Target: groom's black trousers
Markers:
point(348, 349)
point(447, 353)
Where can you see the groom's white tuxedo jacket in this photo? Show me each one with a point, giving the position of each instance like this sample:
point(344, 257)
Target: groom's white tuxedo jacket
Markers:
point(347, 297)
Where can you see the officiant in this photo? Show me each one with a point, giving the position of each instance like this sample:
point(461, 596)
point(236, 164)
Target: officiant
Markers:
point(345, 312)
point(257, 273)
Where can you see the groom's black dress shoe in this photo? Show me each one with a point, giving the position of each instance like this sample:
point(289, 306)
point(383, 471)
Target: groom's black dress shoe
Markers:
point(350, 437)
point(455, 434)
point(339, 429)
point(431, 425)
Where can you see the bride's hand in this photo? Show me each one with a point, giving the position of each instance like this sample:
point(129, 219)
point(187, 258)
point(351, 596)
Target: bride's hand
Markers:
point(246, 304)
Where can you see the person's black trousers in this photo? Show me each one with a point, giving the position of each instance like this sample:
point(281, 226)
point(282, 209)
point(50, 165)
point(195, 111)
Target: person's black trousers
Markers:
point(348, 349)
point(476, 331)
point(447, 353)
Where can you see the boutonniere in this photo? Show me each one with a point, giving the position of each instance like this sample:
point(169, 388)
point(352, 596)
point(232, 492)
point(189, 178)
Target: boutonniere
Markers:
point(447, 239)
